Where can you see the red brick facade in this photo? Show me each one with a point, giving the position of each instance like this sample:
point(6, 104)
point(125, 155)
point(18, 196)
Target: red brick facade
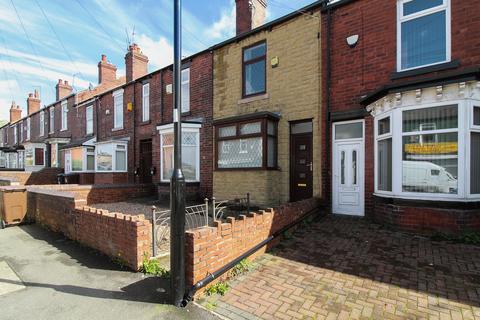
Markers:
point(210, 248)
point(372, 63)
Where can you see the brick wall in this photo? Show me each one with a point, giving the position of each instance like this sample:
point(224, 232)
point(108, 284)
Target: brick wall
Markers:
point(42, 177)
point(121, 237)
point(368, 66)
point(424, 218)
point(210, 248)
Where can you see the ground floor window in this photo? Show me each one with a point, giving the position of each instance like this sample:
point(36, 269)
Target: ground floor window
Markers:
point(34, 155)
point(2, 160)
point(248, 144)
point(190, 152)
point(80, 159)
point(423, 151)
point(111, 157)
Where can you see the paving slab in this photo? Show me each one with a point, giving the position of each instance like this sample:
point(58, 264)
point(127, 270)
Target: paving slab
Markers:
point(59, 279)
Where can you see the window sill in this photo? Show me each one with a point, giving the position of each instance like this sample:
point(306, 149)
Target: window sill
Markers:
point(144, 123)
point(444, 203)
point(62, 130)
point(253, 98)
point(424, 70)
point(246, 169)
point(117, 129)
point(189, 183)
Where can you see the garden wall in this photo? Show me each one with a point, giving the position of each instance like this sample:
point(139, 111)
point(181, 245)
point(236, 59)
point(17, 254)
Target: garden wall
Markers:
point(124, 238)
point(42, 177)
point(210, 248)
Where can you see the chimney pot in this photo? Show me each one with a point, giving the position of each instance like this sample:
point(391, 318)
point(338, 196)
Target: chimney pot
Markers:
point(104, 58)
point(59, 81)
point(250, 14)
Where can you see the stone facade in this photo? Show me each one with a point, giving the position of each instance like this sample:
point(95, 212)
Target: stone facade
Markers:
point(293, 91)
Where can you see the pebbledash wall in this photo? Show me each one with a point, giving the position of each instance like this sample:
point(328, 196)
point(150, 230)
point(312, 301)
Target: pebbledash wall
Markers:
point(64, 209)
point(210, 248)
point(293, 91)
point(371, 65)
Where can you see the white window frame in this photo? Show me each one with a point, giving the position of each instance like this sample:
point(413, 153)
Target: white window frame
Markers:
point(117, 98)
point(21, 131)
point(378, 138)
point(85, 154)
point(42, 123)
point(401, 18)
point(28, 128)
point(112, 145)
point(465, 114)
point(186, 127)
point(146, 102)
point(15, 136)
point(186, 108)
point(2, 160)
point(64, 120)
point(52, 120)
point(89, 120)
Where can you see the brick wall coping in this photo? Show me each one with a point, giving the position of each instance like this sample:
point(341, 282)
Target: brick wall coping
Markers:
point(52, 192)
point(138, 220)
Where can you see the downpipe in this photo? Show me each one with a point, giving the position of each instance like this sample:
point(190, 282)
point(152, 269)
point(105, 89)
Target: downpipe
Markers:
point(208, 279)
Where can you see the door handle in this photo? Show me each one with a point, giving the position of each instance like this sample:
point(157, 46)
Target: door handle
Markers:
point(310, 165)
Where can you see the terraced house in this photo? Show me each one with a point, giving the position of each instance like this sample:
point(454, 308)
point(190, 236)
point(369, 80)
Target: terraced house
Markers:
point(267, 107)
point(120, 131)
point(402, 95)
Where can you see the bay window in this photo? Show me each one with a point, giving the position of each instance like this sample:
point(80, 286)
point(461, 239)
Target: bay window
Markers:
point(2, 160)
point(190, 152)
point(80, 159)
point(247, 145)
point(428, 151)
point(111, 157)
point(423, 33)
point(254, 69)
point(118, 109)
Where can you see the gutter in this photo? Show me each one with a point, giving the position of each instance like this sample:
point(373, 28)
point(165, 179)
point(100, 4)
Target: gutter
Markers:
point(212, 276)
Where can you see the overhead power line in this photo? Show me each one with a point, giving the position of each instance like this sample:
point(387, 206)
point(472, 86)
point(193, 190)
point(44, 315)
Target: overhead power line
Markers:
point(35, 52)
point(60, 40)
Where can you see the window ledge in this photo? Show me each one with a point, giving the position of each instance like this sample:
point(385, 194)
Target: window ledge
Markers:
point(144, 123)
point(117, 129)
point(424, 70)
point(254, 98)
point(63, 129)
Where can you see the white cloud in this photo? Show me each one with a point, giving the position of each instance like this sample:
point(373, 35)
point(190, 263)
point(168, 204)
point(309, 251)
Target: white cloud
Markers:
point(224, 27)
point(159, 52)
point(5, 109)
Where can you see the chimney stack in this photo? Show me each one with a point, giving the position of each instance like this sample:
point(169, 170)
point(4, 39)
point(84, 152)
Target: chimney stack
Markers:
point(15, 113)
point(136, 63)
point(250, 14)
point(107, 72)
point(63, 89)
point(33, 102)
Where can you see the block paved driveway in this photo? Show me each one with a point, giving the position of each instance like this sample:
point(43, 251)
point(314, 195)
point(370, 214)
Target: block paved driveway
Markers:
point(348, 268)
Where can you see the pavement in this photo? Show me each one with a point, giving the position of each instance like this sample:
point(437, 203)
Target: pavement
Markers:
point(45, 276)
point(350, 268)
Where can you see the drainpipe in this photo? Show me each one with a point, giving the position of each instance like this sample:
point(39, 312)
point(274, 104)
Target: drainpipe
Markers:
point(134, 132)
point(327, 102)
point(212, 276)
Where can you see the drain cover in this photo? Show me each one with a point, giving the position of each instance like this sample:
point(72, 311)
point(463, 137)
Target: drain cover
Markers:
point(9, 281)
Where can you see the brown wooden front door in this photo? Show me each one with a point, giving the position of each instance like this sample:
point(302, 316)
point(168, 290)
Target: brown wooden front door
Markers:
point(301, 165)
point(145, 161)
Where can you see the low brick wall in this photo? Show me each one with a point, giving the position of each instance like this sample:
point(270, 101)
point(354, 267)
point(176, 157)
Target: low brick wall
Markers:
point(210, 248)
point(427, 217)
point(121, 237)
point(42, 177)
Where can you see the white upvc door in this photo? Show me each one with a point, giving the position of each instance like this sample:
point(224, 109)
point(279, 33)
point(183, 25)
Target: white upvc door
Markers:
point(348, 183)
point(68, 162)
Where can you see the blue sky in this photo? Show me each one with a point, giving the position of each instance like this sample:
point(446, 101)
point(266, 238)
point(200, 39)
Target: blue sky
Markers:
point(65, 39)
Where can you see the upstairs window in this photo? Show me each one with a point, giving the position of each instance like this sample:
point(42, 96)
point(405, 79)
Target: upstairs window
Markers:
point(21, 131)
point(28, 128)
point(118, 109)
point(52, 120)
point(146, 102)
point(42, 123)
point(64, 115)
point(186, 90)
point(424, 33)
point(15, 138)
point(89, 119)
point(254, 69)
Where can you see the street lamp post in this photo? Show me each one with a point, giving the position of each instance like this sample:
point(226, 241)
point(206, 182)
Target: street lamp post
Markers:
point(177, 185)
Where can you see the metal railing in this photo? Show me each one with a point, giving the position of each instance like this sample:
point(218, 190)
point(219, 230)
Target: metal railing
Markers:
point(195, 217)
